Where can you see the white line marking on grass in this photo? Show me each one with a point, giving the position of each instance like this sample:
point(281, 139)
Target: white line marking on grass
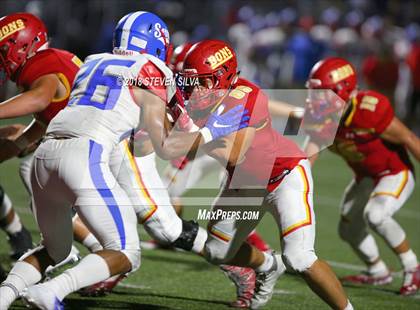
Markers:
point(359, 268)
point(284, 292)
point(129, 285)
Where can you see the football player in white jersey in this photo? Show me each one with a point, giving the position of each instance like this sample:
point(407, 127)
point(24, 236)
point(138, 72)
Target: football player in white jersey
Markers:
point(72, 165)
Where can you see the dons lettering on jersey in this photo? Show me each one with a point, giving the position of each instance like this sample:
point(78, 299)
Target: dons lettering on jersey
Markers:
point(11, 28)
point(341, 73)
point(220, 57)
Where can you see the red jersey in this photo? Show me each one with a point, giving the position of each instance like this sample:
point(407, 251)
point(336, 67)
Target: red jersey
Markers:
point(64, 64)
point(358, 139)
point(270, 155)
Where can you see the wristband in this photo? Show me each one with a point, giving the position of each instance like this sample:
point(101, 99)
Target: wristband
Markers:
point(206, 134)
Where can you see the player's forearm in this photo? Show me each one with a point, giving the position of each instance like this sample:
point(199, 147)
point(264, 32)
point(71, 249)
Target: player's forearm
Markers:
point(179, 144)
point(32, 134)
point(23, 104)
point(312, 151)
point(413, 146)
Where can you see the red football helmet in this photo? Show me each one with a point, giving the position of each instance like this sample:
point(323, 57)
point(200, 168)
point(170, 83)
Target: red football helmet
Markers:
point(21, 35)
point(210, 68)
point(178, 56)
point(336, 74)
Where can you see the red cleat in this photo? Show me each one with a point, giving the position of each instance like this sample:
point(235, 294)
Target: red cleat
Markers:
point(244, 280)
point(255, 239)
point(411, 282)
point(102, 288)
point(366, 278)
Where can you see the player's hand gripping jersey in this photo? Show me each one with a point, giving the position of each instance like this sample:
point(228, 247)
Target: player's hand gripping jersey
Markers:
point(62, 63)
point(270, 155)
point(101, 106)
point(358, 138)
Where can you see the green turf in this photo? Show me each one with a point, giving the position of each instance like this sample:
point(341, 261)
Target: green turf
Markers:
point(173, 280)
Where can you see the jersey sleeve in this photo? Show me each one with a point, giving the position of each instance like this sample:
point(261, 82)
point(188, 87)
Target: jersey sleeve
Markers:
point(375, 111)
point(155, 76)
point(46, 62)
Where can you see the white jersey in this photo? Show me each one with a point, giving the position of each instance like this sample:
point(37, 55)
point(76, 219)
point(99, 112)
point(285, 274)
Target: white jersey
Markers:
point(101, 106)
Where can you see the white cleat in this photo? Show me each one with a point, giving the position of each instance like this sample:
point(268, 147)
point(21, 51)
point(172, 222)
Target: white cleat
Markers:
point(265, 283)
point(41, 297)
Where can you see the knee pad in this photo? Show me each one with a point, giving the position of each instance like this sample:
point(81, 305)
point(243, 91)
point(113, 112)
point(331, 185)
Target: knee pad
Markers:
point(299, 260)
point(375, 217)
point(189, 232)
point(216, 252)
point(134, 256)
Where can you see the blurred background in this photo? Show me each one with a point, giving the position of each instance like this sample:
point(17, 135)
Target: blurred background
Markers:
point(277, 42)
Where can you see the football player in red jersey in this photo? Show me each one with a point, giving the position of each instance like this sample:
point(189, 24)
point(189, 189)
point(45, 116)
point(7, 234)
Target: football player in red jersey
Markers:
point(265, 170)
point(375, 144)
point(44, 75)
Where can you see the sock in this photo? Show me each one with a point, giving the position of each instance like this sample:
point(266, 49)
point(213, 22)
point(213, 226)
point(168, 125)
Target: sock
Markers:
point(5, 204)
point(378, 269)
point(408, 260)
point(267, 264)
point(91, 269)
point(91, 243)
point(199, 241)
point(349, 306)
point(255, 239)
point(367, 250)
point(21, 276)
point(15, 226)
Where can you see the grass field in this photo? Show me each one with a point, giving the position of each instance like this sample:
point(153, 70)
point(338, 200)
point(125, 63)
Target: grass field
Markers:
point(174, 280)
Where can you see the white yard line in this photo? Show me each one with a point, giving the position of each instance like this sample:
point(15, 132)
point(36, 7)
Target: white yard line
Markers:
point(359, 268)
point(130, 285)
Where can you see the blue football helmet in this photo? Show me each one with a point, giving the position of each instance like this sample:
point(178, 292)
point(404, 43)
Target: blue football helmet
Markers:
point(142, 32)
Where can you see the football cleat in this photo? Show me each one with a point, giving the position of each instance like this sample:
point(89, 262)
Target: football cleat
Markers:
point(366, 278)
point(102, 288)
point(41, 297)
point(20, 243)
point(411, 282)
point(244, 280)
point(265, 283)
